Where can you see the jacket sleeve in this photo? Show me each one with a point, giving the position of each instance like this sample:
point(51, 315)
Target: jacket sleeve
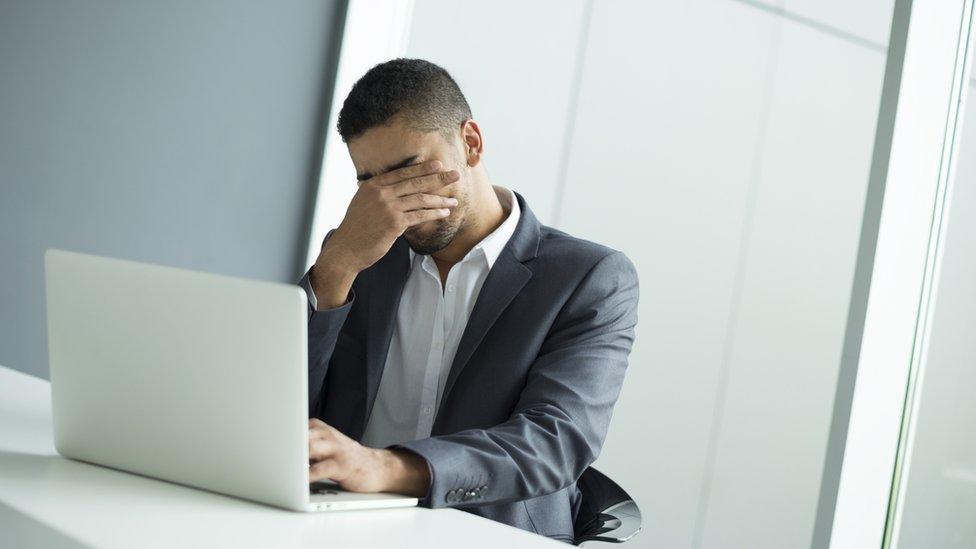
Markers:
point(560, 421)
point(323, 331)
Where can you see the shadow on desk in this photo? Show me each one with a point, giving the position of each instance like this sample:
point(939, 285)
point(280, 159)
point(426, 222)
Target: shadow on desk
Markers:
point(20, 530)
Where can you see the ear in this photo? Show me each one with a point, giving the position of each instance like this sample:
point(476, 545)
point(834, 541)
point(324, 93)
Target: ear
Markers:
point(472, 142)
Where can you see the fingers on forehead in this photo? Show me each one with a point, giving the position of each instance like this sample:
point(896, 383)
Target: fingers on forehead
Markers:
point(425, 167)
point(415, 170)
point(429, 182)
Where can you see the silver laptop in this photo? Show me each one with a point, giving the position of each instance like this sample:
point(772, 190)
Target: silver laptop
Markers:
point(189, 377)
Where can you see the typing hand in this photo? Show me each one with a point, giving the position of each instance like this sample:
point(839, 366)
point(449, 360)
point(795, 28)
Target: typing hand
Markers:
point(358, 468)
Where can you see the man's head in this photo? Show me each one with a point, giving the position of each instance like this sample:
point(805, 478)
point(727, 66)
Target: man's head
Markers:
point(406, 111)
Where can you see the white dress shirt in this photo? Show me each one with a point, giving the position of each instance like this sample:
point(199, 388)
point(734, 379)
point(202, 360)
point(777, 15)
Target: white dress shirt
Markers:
point(429, 322)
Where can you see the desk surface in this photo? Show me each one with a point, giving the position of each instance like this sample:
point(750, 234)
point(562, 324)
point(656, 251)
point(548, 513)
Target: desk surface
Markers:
point(44, 497)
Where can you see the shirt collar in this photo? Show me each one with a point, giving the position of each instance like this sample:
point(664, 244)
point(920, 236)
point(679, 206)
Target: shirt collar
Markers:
point(493, 244)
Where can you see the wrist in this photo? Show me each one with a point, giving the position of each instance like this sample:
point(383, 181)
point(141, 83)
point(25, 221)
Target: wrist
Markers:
point(331, 283)
point(404, 472)
point(326, 274)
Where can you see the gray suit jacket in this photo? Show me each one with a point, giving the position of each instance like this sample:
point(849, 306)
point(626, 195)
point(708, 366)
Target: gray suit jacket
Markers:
point(528, 399)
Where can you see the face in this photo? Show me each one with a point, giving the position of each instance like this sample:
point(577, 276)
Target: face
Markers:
point(384, 147)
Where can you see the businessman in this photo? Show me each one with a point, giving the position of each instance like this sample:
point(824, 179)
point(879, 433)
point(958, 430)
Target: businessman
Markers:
point(459, 350)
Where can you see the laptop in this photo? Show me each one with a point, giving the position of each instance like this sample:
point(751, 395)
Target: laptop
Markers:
point(189, 377)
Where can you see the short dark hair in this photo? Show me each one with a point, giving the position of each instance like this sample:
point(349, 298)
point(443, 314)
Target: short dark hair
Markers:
point(422, 92)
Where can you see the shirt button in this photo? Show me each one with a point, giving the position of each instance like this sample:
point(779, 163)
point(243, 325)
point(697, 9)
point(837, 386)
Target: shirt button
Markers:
point(426, 409)
point(438, 344)
point(450, 287)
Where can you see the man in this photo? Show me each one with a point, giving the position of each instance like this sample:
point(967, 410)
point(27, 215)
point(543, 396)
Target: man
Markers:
point(459, 350)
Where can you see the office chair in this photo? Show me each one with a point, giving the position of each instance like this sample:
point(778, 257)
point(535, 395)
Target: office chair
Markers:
point(606, 512)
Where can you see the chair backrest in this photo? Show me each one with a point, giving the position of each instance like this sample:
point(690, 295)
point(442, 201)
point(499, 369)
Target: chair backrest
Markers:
point(607, 512)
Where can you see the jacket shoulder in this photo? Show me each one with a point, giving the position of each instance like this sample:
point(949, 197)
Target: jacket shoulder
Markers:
point(571, 251)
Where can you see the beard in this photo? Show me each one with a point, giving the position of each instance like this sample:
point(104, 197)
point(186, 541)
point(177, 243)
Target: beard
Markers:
point(433, 236)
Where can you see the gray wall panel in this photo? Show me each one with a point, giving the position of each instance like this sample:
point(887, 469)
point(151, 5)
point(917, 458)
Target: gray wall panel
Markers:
point(182, 133)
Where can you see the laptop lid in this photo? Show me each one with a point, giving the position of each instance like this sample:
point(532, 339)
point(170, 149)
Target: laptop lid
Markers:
point(190, 377)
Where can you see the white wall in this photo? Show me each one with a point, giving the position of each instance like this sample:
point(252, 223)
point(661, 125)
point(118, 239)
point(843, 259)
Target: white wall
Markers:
point(940, 491)
point(661, 166)
point(724, 146)
point(866, 20)
point(515, 63)
point(796, 269)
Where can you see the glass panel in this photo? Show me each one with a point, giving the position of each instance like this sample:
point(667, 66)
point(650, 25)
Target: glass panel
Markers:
point(936, 482)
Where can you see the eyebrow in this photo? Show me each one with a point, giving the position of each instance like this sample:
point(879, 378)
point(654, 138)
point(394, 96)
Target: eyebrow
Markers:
point(401, 164)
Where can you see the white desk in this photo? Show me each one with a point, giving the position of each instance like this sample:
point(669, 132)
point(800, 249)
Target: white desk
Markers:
point(47, 500)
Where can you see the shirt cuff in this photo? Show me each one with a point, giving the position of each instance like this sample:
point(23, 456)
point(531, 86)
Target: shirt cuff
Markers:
point(306, 284)
point(313, 304)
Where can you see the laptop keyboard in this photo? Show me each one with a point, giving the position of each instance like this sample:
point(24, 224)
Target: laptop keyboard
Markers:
point(324, 488)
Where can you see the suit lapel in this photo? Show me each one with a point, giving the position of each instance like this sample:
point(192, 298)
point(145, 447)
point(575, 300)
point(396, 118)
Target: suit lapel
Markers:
point(505, 280)
point(388, 279)
point(389, 276)
point(503, 283)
